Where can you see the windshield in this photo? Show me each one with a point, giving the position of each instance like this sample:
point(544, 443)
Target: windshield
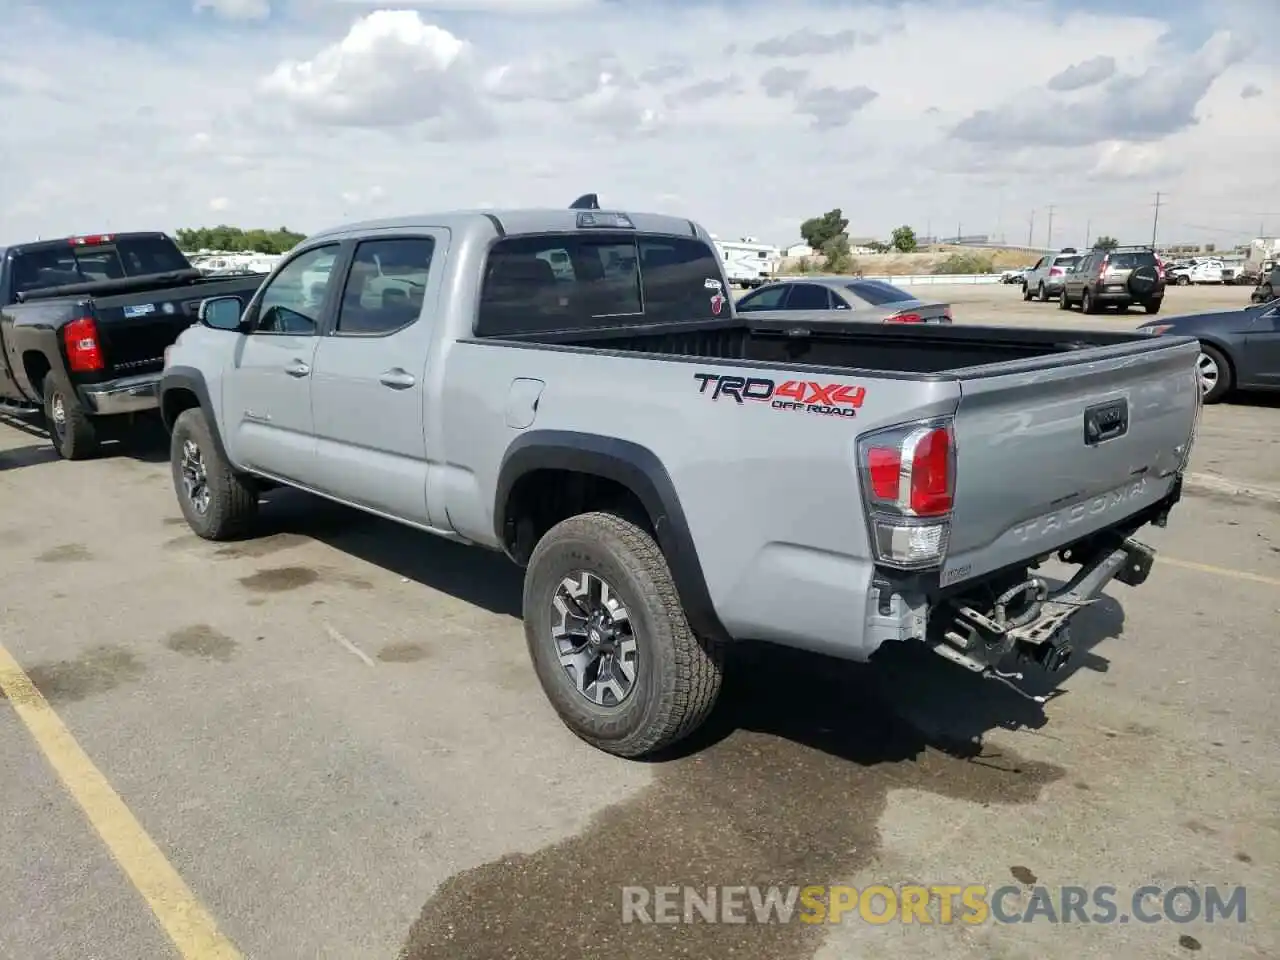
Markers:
point(123, 257)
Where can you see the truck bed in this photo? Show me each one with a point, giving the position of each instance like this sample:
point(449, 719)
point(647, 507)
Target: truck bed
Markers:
point(869, 347)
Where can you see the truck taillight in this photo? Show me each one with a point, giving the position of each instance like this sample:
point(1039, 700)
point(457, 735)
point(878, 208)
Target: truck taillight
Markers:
point(901, 317)
point(84, 354)
point(908, 484)
point(90, 241)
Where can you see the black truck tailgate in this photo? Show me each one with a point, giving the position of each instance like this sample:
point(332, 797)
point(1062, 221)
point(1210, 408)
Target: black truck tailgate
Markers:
point(135, 328)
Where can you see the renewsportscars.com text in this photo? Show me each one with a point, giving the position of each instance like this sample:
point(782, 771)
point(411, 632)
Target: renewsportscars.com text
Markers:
point(971, 904)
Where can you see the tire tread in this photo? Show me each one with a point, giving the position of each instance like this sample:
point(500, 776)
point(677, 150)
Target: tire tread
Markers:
point(687, 700)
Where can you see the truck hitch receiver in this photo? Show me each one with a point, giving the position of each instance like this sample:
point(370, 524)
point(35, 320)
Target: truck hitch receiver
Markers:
point(1039, 632)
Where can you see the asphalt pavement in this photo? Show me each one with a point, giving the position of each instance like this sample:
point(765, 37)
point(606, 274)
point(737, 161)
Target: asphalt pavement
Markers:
point(332, 736)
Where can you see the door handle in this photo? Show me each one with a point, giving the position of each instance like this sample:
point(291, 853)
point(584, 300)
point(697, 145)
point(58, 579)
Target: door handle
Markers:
point(397, 379)
point(297, 369)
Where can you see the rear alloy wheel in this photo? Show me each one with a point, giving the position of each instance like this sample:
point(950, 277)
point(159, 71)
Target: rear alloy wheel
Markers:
point(1063, 302)
point(1041, 295)
point(1086, 303)
point(609, 640)
point(72, 432)
point(1214, 373)
point(1026, 291)
point(1184, 280)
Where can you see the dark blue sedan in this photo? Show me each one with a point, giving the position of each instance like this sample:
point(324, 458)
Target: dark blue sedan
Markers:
point(1239, 349)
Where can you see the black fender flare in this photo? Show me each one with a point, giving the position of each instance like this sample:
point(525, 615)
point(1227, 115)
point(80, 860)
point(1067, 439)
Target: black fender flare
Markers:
point(190, 380)
point(641, 471)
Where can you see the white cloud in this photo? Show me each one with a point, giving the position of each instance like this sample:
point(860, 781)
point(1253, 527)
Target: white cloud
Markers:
point(748, 119)
point(392, 68)
point(218, 204)
point(235, 9)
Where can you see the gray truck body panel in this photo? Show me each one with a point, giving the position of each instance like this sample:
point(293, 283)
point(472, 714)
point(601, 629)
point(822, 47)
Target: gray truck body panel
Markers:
point(769, 499)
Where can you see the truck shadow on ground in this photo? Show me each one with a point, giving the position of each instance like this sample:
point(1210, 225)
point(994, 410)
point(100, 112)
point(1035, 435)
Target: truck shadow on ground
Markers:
point(146, 441)
point(936, 696)
point(786, 783)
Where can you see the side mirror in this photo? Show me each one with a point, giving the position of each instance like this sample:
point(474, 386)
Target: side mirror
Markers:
point(221, 313)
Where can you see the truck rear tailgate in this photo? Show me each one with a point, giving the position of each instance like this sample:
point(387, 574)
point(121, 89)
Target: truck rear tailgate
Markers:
point(1051, 450)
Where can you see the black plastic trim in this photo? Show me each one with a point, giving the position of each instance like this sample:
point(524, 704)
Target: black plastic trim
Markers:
point(497, 224)
point(639, 470)
point(191, 379)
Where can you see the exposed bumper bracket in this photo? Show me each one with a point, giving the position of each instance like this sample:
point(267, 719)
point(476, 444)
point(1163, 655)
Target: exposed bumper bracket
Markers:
point(1039, 632)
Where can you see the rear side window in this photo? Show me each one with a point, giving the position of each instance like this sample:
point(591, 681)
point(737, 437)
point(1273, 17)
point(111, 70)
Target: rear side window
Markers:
point(878, 293)
point(385, 286)
point(583, 281)
point(1066, 263)
point(125, 257)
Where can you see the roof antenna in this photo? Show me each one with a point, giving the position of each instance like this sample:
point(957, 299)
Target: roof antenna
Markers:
point(588, 201)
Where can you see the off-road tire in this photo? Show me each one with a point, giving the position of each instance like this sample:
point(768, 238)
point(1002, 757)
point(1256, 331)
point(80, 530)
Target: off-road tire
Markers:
point(678, 675)
point(233, 499)
point(1223, 386)
point(77, 438)
point(1152, 306)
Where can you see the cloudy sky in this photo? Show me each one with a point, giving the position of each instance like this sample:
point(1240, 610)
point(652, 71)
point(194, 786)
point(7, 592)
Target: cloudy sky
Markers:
point(748, 116)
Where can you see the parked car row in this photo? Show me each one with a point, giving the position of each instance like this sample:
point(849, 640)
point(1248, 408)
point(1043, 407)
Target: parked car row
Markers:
point(577, 390)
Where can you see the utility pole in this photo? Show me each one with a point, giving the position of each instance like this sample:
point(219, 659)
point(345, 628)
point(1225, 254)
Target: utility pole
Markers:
point(1088, 228)
point(1031, 230)
point(1049, 237)
point(1155, 220)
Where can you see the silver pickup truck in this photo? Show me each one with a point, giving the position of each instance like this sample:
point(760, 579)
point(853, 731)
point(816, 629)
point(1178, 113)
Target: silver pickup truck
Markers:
point(574, 388)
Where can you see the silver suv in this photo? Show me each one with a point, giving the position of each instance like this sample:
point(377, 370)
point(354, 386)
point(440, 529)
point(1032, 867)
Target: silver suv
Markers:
point(1044, 280)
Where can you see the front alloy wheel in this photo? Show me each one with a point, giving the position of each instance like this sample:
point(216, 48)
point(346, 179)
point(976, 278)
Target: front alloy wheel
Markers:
point(594, 638)
point(195, 479)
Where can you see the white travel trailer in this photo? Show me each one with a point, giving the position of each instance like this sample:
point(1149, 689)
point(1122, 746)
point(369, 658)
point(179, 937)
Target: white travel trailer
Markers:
point(748, 262)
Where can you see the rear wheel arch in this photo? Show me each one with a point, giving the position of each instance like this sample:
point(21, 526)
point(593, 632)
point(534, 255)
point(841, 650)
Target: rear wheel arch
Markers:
point(550, 475)
point(36, 365)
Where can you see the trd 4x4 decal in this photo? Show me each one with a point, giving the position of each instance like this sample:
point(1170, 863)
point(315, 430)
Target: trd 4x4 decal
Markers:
point(830, 399)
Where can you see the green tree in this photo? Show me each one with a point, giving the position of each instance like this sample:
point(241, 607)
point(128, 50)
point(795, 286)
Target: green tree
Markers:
point(235, 239)
point(879, 246)
point(839, 255)
point(817, 231)
point(1106, 243)
point(904, 239)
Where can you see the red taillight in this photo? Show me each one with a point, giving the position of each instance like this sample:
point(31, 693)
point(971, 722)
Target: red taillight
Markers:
point(90, 241)
point(884, 464)
point(1055, 271)
point(1102, 267)
point(946, 313)
point(904, 318)
point(931, 474)
point(908, 483)
point(84, 354)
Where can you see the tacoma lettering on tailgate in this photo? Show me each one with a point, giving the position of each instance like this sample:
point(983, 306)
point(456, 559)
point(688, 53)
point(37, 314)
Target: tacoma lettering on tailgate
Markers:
point(1062, 519)
point(809, 396)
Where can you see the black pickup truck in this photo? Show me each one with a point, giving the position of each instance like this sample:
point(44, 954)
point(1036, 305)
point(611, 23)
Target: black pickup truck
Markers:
point(84, 324)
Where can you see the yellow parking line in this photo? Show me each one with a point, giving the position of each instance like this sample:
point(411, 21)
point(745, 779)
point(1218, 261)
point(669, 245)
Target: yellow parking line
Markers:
point(1218, 571)
point(190, 927)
